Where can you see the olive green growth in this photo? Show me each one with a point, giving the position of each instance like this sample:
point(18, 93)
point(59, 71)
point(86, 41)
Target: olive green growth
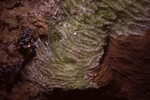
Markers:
point(76, 44)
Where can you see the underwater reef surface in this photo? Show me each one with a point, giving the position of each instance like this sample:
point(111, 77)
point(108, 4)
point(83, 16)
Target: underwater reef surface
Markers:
point(78, 28)
point(75, 44)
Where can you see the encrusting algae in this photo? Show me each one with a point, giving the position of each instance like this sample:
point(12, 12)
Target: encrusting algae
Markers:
point(76, 44)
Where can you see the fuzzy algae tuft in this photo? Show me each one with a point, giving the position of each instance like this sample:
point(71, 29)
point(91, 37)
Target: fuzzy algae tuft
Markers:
point(76, 44)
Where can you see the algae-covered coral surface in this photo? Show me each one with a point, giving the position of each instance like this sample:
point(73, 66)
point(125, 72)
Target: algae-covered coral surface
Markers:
point(76, 43)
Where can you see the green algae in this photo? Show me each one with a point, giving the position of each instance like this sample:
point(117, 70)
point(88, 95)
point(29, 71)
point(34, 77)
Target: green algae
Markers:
point(76, 44)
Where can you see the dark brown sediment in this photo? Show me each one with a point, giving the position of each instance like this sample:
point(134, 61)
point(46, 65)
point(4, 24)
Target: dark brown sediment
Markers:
point(127, 59)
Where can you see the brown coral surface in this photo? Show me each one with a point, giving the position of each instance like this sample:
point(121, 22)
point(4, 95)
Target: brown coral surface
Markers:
point(128, 59)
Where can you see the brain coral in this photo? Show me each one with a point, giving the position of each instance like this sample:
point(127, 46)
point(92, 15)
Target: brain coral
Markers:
point(76, 44)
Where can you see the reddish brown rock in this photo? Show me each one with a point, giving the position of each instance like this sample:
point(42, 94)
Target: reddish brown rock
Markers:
point(16, 15)
point(10, 4)
point(3, 57)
